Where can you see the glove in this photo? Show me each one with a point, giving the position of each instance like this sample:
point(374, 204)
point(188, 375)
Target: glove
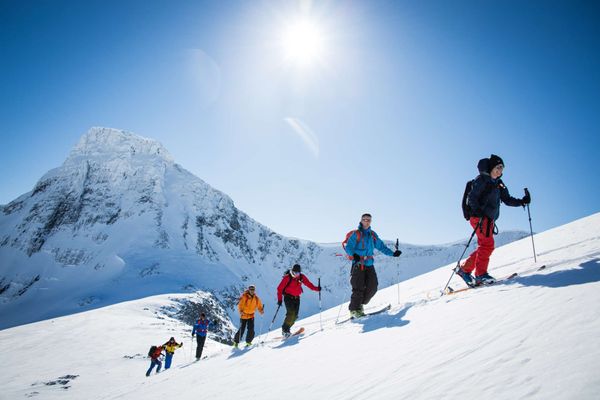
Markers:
point(527, 198)
point(397, 253)
point(279, 303)
point(193, 334)
point(356, 257)
point(318, 288)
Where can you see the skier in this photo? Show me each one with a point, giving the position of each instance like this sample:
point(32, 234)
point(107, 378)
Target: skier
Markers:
point(290, 288)
point(155, 359)
point(170, 348)
point(483, 203)
point(200, 330)
point(360, 244)
point(248, 304)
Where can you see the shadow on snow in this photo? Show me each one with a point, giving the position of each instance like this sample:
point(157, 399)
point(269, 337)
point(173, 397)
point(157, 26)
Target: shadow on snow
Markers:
point(386, 320)
point(587, 272)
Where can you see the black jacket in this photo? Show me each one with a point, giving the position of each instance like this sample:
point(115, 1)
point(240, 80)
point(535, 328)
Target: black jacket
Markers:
point(486, 194)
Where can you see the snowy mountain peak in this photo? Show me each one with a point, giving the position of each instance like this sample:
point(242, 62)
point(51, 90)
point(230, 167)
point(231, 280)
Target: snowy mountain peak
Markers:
point(115, 143)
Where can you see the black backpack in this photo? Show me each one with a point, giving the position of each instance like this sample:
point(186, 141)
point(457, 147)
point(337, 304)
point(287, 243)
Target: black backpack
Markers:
point(466, 209)
point(151, 351)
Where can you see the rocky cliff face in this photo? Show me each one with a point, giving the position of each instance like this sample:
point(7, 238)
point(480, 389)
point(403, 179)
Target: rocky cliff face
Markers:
point(120, 210)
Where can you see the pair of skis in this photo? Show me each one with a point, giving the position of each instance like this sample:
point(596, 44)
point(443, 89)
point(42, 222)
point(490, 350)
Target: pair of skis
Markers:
point(449, 290)
point(367, 314)
point(298, 332)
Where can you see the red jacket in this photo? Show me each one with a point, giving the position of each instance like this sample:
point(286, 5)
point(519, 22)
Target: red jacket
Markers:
point(293, 286)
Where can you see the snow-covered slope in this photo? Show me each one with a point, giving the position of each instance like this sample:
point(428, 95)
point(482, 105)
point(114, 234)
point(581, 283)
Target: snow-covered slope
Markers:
point(535, 337)
point(120, 220)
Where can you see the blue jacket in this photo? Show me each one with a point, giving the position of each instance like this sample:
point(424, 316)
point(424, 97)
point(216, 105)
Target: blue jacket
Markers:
point(201, 327)
point(486, 194)
point(369, 241)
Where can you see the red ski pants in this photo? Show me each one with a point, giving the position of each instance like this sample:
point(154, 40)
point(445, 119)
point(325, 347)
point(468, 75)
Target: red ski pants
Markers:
point(480, 258)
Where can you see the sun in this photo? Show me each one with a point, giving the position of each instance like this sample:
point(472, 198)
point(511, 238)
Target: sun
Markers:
point(302, 42)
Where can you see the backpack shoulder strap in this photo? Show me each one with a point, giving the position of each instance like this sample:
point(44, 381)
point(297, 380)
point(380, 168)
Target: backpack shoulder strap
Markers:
point(348, 237)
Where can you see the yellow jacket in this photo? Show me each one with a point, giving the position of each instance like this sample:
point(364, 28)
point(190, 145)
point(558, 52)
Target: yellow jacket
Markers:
point(249, 304)
point(170, 348)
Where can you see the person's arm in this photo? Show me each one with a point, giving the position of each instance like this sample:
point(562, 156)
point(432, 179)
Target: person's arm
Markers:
point(308, 283)
point(507, 198)
point(240, 305)
point(261, 308)
point(379, 245)
point(280, 288)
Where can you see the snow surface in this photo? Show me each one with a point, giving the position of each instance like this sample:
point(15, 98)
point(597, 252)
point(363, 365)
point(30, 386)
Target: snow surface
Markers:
point(534, 337)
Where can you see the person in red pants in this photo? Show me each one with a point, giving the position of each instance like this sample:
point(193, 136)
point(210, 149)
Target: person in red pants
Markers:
point(483, 200)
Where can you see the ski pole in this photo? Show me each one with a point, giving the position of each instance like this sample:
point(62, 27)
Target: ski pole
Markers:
point(462, 255)
point(320, 319)
point(530, 227)
point(272, 321)
point(398, 268)
point(343, 300)
point(260, 326)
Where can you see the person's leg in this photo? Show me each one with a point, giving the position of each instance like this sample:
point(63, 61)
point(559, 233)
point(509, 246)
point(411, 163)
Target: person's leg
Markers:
point(469, 264)
point(290, 311)
point(370, 284)
point(168, 359)
point(485, 247)
point(201, 340)
point(296, 309)
point(357, 281)
point(152, 364)
point(250, 334)
point(240, 333)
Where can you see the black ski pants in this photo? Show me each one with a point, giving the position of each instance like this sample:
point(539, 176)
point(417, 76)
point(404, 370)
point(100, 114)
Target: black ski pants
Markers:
point(199, 345)
point(245, 323)
point(292, 308)
point(364, 286)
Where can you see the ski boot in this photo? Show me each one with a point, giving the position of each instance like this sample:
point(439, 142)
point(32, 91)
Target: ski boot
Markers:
point(465, 277)
point(248, 344)
point(485, 279)
point(357, 314)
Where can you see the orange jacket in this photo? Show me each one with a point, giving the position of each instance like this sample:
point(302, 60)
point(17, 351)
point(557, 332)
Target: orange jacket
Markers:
point(248, 304)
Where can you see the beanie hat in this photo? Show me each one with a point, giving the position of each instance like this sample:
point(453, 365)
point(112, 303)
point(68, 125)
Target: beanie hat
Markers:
point(296, 268)
point(494, 161)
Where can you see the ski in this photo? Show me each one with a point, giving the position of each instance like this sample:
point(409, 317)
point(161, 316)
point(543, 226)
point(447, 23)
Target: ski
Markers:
point(300, 331)
point(367, 314)
point(453, 291)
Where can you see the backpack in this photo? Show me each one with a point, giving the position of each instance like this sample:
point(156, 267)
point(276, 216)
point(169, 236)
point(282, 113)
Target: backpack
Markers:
point(151, 351)
point(358, 234)
point(466, 209)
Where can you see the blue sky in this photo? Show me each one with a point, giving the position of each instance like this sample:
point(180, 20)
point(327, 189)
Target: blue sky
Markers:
point(390, 118)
